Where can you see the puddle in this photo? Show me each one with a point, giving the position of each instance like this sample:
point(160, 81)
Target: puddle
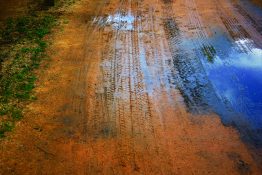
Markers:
point(118, 21)
point(222, 78)
point(237, 80)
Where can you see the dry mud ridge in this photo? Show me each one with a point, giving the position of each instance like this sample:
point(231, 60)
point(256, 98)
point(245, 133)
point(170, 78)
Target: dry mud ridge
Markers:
point(147, 87)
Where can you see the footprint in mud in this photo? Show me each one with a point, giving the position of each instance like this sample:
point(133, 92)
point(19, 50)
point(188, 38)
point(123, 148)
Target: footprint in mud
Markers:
point(242, 167)
point(104, 132)
point(65, 127)
point(204, 155)
point(64, 108)
point(66, 120)
point(167, 1)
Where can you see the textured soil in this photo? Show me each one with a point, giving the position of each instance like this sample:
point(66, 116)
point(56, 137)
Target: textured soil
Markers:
point(108, 104)
point(12, 8)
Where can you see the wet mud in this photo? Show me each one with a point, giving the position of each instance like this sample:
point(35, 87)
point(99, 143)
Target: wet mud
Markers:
point(147, 87)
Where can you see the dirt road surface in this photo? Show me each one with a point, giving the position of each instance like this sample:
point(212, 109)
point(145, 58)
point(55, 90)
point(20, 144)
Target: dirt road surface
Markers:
point(139, 87)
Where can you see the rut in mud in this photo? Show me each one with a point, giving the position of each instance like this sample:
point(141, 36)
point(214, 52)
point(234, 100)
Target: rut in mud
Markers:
point(139, 87)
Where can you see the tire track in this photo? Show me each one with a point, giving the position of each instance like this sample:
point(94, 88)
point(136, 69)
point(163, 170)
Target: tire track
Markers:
point(126, 114)
point(237, 32)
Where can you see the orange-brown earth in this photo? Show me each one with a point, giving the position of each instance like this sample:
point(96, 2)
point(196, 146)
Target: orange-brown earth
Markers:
point(257, 2)
point(12, 8)
point(106, 104)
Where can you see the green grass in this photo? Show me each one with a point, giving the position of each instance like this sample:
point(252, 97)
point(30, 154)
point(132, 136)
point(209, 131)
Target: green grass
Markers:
point(209, 52)
point(22, 49)
point(65, 3)
point(5, 126)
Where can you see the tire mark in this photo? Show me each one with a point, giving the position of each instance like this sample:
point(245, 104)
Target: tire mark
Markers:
point(236, 31)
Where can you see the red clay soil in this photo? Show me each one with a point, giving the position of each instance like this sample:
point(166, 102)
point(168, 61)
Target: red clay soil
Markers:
point(106, 106)
point(257, 2)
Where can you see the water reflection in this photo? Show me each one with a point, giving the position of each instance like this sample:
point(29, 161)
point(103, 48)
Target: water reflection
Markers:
point(119, 21)
point(236, 77)
point(222, 75)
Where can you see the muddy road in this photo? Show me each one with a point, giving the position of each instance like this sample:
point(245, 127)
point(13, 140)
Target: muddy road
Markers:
point(147, 87)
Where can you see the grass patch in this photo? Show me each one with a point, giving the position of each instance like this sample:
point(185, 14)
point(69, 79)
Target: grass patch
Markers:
point(22, 47)
point(209, 52)
point(65, 3)
point(5, 126)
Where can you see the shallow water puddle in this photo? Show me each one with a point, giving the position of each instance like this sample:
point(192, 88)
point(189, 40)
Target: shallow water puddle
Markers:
point(224, 77)
point(221, 70)
point(118, 21)
point(237, 80)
